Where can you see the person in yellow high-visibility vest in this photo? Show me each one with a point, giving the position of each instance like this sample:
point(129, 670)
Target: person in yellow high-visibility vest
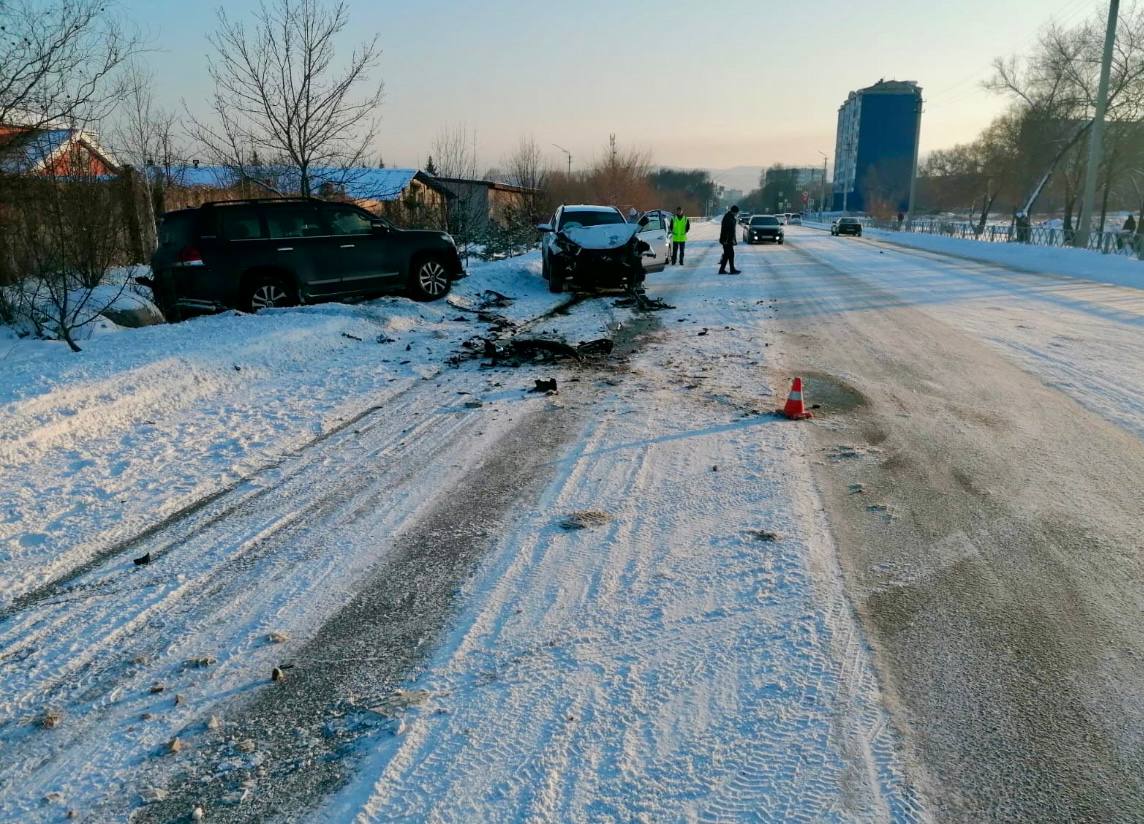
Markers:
point(680, 226)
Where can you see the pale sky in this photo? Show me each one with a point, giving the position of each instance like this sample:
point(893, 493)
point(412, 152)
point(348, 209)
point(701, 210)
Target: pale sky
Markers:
point(696, 83)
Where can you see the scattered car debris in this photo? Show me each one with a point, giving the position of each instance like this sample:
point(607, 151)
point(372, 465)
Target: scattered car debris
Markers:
point(473, 404)
point(351, 337)
point(198, 814)
point(153, 794)
point(214, 723)
point(142, 559)
point(51, 719)
point(764, 535)
point(384, 338)
point(277, 637)
point(200, 663)
point(157, 688)
point(545, 385)
point(585, 519)
point(277, 674)
point(643, 303)
point(175, 745)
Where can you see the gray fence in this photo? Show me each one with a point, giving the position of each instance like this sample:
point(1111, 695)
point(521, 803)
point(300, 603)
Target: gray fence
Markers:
point(1108, 243)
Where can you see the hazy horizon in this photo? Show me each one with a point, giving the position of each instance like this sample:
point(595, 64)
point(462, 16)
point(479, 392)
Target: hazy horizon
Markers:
point(737, 85)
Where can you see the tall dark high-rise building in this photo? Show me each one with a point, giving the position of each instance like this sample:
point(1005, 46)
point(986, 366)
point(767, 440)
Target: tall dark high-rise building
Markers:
point(876, 151)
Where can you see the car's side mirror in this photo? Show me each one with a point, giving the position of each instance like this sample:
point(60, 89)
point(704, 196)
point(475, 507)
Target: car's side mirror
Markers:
point(378, 227)
point(643, 221)
point(545, 227)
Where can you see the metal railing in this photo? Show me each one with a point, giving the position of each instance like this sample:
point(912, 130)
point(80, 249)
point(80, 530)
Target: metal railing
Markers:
point(1128, 244)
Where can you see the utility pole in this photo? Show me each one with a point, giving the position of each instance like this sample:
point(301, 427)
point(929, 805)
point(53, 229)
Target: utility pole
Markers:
point(561, 148)
point(1096, 138)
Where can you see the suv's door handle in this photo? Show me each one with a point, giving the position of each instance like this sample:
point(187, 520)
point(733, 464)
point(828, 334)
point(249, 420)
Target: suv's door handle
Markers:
point(347, 246)
point(285, 248)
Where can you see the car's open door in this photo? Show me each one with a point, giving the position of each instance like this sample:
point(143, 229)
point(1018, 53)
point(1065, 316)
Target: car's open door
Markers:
point(654, 234)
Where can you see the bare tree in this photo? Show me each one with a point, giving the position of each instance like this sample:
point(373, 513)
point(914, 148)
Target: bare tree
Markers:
point(455, 156)
point(280, 90)
point(455, 152)
point(59, 60)
point(527, 168)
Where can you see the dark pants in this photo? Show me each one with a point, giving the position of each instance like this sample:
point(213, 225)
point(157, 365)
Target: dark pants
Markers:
point(728, 257)
point(677, 249)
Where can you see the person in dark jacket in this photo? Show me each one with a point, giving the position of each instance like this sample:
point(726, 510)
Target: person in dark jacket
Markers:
point(727, 231)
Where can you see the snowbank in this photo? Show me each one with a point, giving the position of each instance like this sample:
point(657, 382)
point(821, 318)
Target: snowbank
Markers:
point(1066, 262)
point(97, 446)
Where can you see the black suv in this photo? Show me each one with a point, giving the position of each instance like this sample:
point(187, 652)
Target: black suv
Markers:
point(254, 254)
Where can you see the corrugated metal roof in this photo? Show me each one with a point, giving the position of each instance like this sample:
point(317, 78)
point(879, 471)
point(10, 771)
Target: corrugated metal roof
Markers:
point(359, 183)
point(26, 152)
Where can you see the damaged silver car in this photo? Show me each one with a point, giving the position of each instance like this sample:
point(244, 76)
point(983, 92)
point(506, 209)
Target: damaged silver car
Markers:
point(593, 247)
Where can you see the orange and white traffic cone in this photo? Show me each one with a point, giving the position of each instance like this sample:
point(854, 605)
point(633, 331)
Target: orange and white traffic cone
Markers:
point(795, 409)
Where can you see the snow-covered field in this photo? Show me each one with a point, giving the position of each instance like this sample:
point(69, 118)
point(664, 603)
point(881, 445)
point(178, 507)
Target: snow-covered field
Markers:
point(98, 446)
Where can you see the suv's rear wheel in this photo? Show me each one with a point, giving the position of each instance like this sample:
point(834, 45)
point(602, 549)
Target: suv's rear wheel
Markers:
point(430, 279)
point(268, 292)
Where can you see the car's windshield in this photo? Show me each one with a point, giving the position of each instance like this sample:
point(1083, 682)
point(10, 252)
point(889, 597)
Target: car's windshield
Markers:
point(765, 220)
point(572, 219)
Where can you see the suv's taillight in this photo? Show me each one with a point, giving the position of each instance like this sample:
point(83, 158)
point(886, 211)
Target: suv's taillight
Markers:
point(189, 256)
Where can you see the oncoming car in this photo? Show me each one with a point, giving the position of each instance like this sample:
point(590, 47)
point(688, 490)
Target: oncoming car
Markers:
point(763, 229)
point(846, 226)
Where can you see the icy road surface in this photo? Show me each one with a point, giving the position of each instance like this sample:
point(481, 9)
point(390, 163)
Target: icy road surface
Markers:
point(923, 605)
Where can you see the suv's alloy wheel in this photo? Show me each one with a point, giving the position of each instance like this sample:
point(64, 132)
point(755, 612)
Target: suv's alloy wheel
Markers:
point(432, 278)
point(268, 296)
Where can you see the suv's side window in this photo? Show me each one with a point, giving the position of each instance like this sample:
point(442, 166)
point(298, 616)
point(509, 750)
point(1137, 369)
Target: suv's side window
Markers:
point(293, 221)
point(238, 223)
point(346, 220)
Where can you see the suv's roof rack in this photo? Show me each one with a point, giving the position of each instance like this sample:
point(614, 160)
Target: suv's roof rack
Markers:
point(280, 199)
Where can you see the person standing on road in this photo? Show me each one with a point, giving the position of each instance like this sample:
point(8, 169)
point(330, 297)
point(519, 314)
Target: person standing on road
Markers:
point(727, 231)
point(680, 226)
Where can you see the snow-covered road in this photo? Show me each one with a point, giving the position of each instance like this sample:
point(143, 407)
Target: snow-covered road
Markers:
point(920, 605)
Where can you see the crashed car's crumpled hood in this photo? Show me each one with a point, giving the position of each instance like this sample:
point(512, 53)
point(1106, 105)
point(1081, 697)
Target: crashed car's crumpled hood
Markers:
point(609, 236)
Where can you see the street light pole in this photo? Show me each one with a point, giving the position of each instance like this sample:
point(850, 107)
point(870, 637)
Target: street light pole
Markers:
point(561, 148)
point(1096, 137)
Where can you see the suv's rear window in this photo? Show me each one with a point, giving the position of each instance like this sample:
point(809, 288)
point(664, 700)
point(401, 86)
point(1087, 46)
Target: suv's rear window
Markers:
point(238, 223)
point(590, 219)
point(849, 221)
point(764, 221)
point(176, 229)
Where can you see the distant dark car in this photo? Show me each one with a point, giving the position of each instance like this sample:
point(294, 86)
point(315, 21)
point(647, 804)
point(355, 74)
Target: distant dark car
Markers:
point(256, 254)
point(764, 229)
point(744, 219)
point(846, 226)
